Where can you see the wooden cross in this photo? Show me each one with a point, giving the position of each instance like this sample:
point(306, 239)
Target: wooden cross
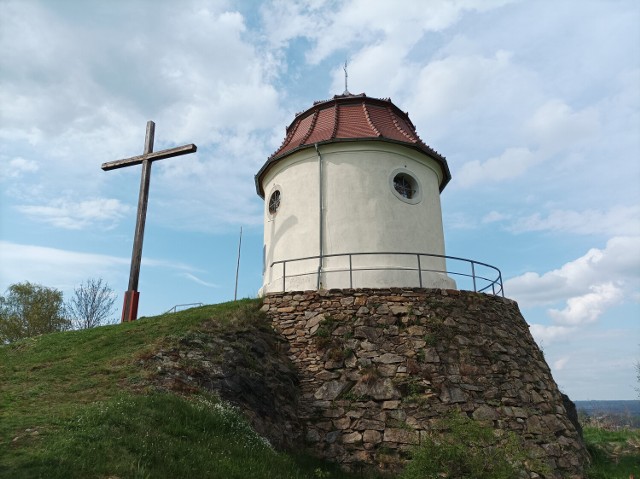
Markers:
point(131, 296)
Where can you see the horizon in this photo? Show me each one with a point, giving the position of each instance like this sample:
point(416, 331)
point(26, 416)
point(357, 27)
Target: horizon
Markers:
point(535, 106)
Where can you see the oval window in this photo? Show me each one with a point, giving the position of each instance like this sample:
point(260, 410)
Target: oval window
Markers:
point(405, 186)
point(274, 202)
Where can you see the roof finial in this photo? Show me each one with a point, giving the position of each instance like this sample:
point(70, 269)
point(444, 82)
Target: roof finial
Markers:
point(346, 78)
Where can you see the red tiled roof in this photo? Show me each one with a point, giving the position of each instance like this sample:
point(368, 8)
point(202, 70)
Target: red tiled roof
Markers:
point(349, 118)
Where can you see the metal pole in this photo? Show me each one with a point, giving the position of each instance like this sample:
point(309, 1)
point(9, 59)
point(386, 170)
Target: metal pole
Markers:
point(235, 293)
point(350, 273)
point(321, 219)
point(419, 271)
point(284, 276)
point(473, 275)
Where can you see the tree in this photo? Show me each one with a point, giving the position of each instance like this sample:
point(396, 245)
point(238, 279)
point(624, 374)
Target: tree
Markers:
point(91, 305)
point(29, 310)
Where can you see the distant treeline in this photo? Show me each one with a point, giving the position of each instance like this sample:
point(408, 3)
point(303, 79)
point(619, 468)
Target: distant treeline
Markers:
point(610, 413)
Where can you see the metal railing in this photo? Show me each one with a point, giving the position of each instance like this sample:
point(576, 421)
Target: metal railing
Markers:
point(480, 282)
point(175, 308)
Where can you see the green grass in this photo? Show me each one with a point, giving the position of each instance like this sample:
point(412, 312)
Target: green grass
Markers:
point(615, 454)
point(79, 405)
point(159, 435)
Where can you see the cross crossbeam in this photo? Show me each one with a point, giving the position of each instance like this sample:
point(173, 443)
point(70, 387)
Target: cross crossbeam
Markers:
point(131, 296)
point(158, 155)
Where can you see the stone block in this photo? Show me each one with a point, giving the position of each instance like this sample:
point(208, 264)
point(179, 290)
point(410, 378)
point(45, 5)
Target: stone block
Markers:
point(398, 309)
point(286, 309)
point(351, 361)
point(534, 425)
point(485, 413)
point(347, 301)
point(519, 412)
point(332, 436)
point(342, 423)
point(389, 358)
point(367, 346)
point(452, 395)
point(379, 389)
point(387, 370)
point(363, 424)
point(315, 321)
point(397, 415)
point(366, 332)
point(352, 438)
point(360, 300)
point(331, 390)
point(401, 436)
point(312, 436)
point(372, 437)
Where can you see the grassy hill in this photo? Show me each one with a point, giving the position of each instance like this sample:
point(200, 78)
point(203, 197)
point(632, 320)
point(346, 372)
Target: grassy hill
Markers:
point(84, 404)
point(111, 402)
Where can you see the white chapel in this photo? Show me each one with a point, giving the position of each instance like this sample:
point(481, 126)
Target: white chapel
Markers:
point(352, 200)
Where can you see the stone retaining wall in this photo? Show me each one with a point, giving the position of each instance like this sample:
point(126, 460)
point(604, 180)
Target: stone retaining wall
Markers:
point(379, 367)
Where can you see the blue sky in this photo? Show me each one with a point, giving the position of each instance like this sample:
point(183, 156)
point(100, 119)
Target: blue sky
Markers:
point(536, 106)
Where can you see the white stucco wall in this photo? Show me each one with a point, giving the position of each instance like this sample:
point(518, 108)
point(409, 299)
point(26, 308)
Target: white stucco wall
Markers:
point(361, 213)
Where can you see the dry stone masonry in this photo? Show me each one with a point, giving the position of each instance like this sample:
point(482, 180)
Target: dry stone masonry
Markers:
point(378, 368)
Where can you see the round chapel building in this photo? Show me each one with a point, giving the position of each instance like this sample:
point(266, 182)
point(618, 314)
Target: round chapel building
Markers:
point(352, 200)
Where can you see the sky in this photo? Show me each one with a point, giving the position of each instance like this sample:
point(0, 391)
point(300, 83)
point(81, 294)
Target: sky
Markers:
point(535, 105)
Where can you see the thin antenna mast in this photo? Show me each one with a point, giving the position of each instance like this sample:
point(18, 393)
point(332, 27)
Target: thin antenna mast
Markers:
point(346, 78)
point(235, 293)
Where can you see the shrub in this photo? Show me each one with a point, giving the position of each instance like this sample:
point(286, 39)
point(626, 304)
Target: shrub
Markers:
point(462, 448)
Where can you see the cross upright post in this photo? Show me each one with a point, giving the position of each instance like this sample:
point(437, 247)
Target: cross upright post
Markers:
point(131, 296)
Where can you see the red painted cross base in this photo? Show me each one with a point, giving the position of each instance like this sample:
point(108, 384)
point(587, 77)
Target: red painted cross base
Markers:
point(130, 306)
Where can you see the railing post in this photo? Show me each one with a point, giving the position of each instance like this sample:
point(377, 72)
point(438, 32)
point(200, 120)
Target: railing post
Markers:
point(419, 271)
point(473, 275)
point(284, 276)
point(501, 286)
point(350, 272)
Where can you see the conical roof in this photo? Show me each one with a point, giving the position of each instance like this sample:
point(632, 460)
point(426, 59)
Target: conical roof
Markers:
point(351, 118)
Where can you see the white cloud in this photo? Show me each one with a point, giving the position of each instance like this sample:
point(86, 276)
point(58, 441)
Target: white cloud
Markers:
point(617, 220)
point(560, 363)
point(65, 269)
point(587, 307)
point(66, 214)
point(54, 267)
point(510, 164)
point(203, 83)
point(588, 287)
point(617, 264)
point(336, 26)
point(493, 217)
point(197, 280)
point(16, 167)
point(554, 125)
point(547, 334)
